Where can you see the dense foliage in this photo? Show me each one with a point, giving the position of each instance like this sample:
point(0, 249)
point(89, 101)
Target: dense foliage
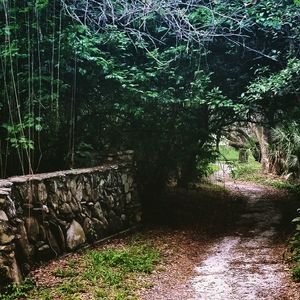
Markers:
point(164, 78)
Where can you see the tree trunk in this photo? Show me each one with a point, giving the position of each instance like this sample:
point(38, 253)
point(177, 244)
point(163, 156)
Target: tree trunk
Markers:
point(243, 155)
point(188, 170)
point(263, 140)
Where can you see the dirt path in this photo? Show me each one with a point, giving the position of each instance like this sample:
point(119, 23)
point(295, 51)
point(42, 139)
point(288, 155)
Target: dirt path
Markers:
point(242, 262)
point(248, 264)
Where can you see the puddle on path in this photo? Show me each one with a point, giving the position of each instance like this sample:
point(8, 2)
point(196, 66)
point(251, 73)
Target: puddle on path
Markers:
point(244, 266)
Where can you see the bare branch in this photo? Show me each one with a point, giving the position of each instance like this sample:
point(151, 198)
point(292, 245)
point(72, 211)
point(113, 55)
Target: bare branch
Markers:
point(135, 15)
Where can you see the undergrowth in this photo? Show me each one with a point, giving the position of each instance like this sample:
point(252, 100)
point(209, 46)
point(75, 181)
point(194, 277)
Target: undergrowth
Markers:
point(294, 248)
point(251, 171)
point(110, 274)
point(18, 291)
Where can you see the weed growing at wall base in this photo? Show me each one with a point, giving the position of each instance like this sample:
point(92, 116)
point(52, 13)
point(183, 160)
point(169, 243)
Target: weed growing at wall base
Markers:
point(18, 291)
point(112, 274)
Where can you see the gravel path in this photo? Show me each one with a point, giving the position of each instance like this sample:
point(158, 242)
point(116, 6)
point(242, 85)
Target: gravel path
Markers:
point(248, 264)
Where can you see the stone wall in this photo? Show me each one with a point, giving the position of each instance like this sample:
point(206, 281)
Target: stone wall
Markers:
point(45, 215)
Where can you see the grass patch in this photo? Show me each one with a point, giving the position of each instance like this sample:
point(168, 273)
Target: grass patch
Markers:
point(208, 188)
point(228, 153)
point(247, 171)
point(292, 187)
point(112, 274)
point(212, 168)
point(73, 288)
point(133, 259)
point(64, 273)
point(251, 172)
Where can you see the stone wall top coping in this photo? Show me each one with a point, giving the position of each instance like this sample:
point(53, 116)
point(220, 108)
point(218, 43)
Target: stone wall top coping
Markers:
point(6, 183)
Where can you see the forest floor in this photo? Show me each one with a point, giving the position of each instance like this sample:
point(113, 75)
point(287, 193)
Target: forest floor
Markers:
point(213, 243)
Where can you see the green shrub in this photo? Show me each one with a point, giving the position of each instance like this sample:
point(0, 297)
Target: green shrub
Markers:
point(296, 272)
point(295, 248)
point(17, 291)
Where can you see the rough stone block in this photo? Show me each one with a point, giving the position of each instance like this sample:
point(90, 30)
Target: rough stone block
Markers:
point(3, 216)
point(75, 236)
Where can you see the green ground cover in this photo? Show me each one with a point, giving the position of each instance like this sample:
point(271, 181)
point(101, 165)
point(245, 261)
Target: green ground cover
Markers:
point(108, 274)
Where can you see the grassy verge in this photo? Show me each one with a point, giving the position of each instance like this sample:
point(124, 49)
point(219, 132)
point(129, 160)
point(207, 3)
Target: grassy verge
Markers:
point(112, 274)
point(228, 153)
point(251, 171)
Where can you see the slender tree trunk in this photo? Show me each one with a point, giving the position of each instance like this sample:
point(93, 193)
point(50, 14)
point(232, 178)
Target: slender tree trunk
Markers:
point(243, 155)
point(263, 140)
